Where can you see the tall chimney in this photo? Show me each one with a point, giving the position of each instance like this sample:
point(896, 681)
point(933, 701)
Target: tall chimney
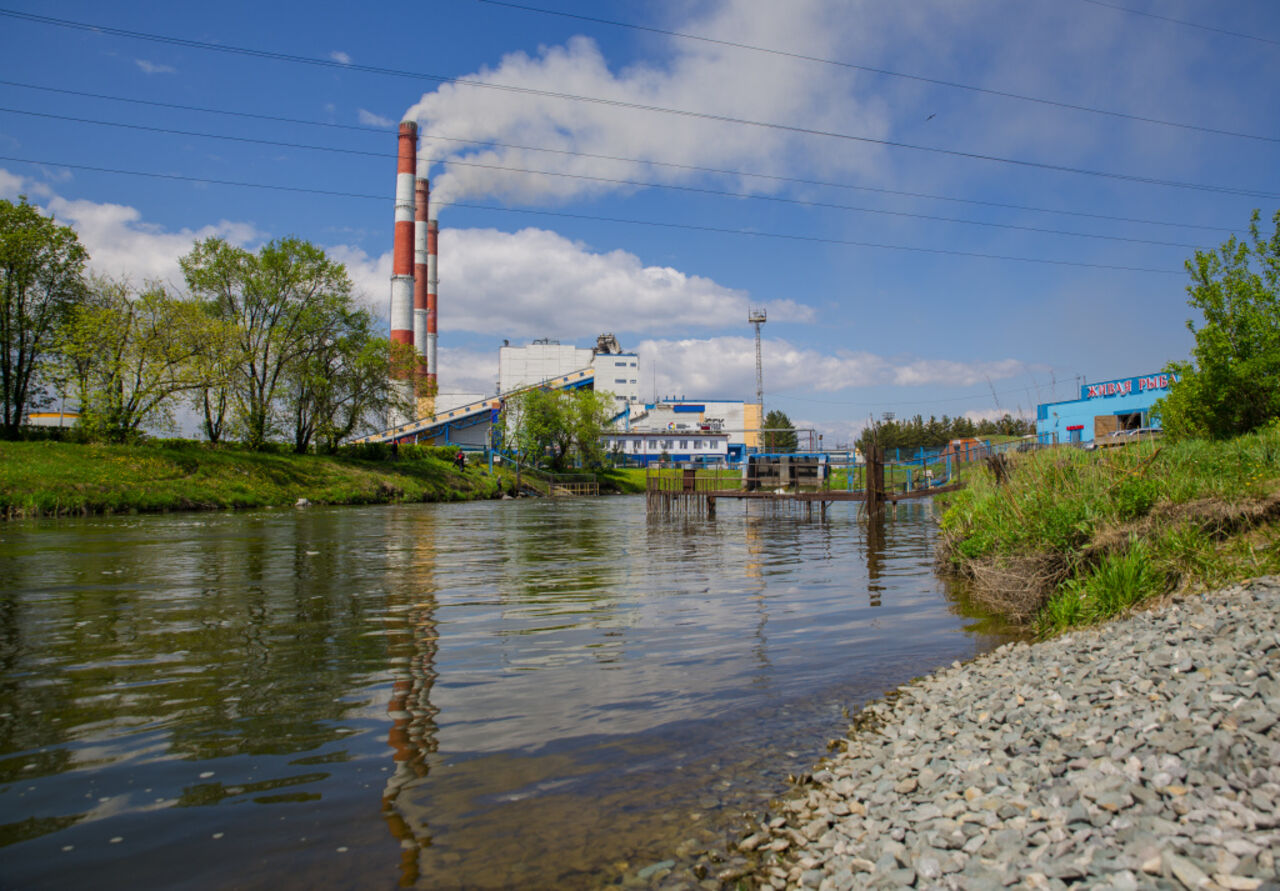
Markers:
point(433, 238)
point(402, 258)
point(421, 340)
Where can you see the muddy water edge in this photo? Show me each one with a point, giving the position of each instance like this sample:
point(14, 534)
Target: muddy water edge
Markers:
point(536, 693)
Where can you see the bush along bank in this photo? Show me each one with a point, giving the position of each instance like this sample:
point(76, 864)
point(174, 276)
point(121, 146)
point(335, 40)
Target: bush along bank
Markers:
point(1141, 754)
point(59, 478)
point(1070, 537)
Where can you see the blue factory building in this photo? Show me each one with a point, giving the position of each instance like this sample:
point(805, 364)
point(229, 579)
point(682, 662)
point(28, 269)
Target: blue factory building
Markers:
point(1103, 409)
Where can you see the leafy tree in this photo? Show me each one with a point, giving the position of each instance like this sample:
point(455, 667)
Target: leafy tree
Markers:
point(41, 267)
point(559, 424)
point(589, 414)
point(339, 384)
point(1232, 384)
point(779, 433)
point(281, 300)
point(131, 354)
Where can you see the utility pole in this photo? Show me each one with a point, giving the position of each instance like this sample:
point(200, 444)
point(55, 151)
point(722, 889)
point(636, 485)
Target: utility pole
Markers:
point(757, 317)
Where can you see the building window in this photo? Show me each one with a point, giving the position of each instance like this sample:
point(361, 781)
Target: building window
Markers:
point(697, 443)
point(633, 382)
point(684, 444)
point(620, 364)
point(635, 445)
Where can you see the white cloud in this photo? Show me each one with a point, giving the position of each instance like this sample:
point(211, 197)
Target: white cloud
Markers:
point(11, 185)
point(119, 242)
point(517, 284)
point(370, 119)
point(340, 57)
point(727, 366)
point(154, 67)
point(468, 370)
point(703, 77)
point(370, 276)
point(534, 283)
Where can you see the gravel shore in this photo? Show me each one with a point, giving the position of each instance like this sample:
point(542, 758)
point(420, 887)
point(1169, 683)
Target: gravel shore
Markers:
point(1143, 753)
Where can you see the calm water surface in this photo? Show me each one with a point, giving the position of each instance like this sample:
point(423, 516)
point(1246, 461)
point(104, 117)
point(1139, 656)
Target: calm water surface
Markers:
point(515, 694)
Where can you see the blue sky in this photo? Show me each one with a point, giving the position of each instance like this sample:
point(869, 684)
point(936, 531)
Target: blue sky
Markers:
point(620, 227)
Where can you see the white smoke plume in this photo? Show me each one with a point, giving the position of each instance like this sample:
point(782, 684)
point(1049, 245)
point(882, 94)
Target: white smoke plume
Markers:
point(694, 76)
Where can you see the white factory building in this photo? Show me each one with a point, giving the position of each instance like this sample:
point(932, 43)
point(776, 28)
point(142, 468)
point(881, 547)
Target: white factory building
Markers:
point(616, 372)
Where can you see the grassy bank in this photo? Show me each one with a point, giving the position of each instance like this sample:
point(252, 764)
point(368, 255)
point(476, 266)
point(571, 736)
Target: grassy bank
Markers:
point(1074, 537)
point(56, 478)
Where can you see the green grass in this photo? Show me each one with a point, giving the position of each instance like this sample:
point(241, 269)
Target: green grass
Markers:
point(54, 478)
point(1118, 526)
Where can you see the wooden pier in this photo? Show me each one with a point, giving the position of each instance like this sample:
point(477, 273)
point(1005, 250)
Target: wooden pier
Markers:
point(689, 492)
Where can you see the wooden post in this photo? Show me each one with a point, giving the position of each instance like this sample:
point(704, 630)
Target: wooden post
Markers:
point(875, 479)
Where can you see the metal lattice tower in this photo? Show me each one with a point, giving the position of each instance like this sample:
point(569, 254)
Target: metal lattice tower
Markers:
point(758, 317)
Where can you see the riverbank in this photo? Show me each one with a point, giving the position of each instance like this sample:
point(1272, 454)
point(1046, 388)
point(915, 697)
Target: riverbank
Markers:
point(1066, 537)
point(1141, 753)
point(59, 479)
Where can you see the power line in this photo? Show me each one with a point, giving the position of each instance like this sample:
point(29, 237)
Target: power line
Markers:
point(637, 106)
point(659, 224)
point(1165, 18)
point(651, 163)
point(886, 72)
point(699, 190)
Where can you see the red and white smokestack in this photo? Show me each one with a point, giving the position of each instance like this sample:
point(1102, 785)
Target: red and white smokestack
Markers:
point(402, 255)
point(422, 191)
point(433, 238)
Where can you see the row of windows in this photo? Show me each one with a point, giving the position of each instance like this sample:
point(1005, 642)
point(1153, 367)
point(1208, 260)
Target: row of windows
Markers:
point(623, 364)
point(638, 445)
point(621, 380)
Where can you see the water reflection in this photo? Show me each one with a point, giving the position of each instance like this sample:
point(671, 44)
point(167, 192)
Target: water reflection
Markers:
point(412, 642)
point(539, 694)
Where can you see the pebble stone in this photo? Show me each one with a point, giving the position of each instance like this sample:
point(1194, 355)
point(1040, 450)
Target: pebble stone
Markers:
point(1144, 753)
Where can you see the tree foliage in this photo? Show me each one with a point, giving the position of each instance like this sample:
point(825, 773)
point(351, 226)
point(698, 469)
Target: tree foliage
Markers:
point(41, 267)
point(282, 301)
point(934, 433)
point(779, 433)
point(129, 355)
point(1232, 384)
point(338, 384)
point(560, 425)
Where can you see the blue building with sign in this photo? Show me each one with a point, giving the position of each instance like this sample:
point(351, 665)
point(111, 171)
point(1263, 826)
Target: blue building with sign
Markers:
point(1103, 409)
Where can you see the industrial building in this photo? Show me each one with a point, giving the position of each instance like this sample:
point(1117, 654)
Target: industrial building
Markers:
point(616, 372)
point(739, 421)
point(684, 447)
point(1103, 409)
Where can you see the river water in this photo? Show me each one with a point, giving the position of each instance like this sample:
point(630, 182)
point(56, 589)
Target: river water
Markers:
point(525, 694)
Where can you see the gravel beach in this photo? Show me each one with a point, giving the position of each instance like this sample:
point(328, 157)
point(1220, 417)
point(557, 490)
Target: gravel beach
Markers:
point(1143, 753)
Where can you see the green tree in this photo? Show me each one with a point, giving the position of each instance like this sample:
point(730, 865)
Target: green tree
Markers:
point(590, 412)
point(41, 280)
point(779, 433)
point(558, 424)
point(280, 300)
point(340, 383)
point(1232, 384)
point(131, 354)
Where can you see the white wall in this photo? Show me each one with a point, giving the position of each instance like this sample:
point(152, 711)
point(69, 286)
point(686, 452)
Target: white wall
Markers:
point(535, 363)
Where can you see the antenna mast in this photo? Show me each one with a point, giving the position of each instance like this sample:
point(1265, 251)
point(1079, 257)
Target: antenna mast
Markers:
point(758, 317)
